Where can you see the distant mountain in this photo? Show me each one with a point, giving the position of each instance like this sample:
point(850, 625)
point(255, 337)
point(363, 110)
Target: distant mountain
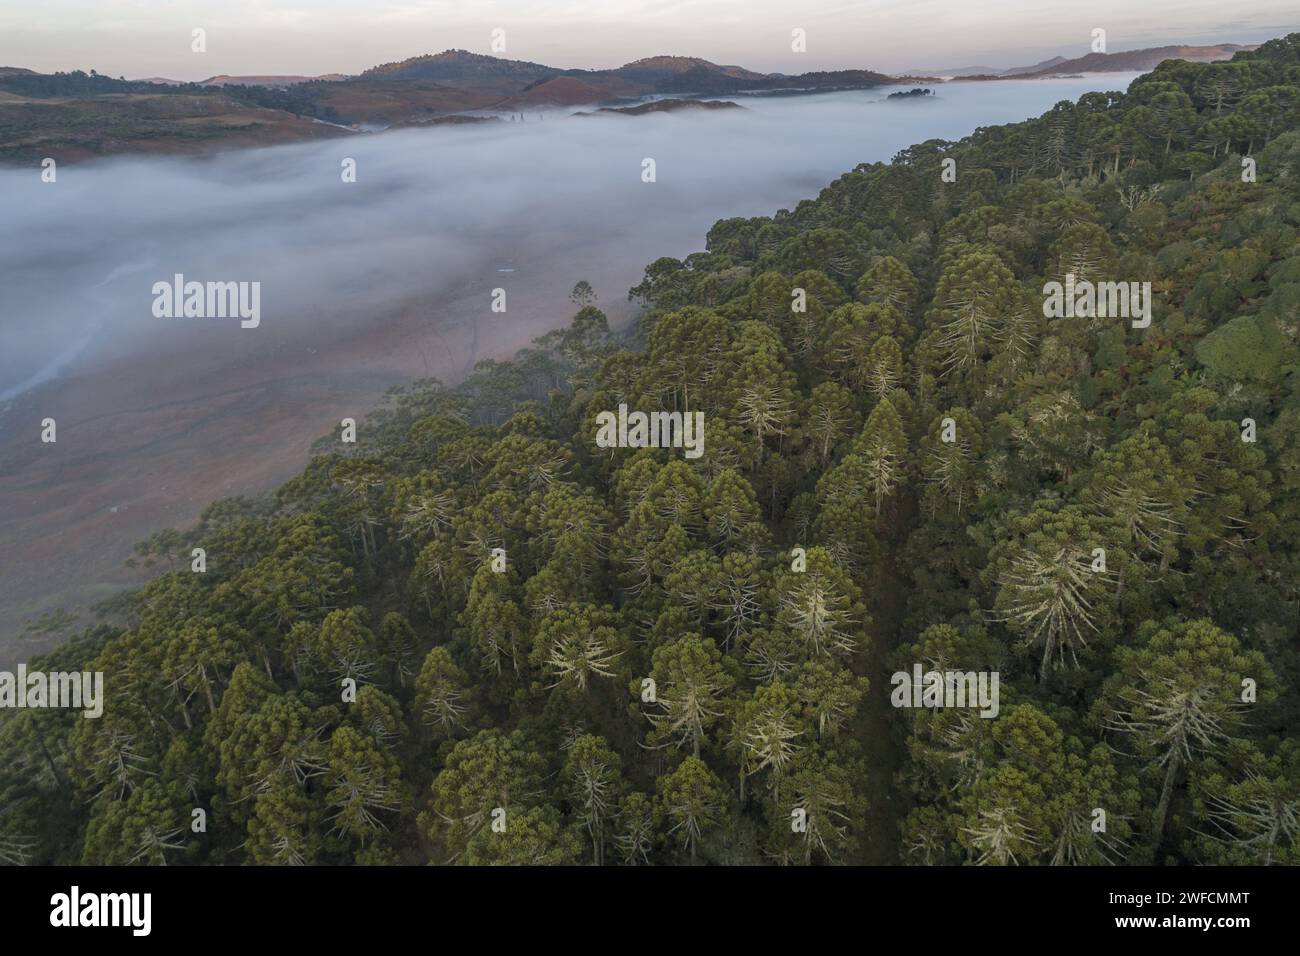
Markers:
point(1131, 60)
point(679, 74)
point(1128, 61)
point(420, 88)
point(270, 81)
point(830, 80)
point(965, 72)
point(464, 69)
point(960, 71)
point(659, 69)
point(171, 114)
point(522, 83)
point(1036, 68)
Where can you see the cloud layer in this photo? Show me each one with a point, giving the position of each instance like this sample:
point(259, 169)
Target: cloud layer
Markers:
point(433, 213)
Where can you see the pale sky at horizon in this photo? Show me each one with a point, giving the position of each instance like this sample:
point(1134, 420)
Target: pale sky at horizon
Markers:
point(142, 38)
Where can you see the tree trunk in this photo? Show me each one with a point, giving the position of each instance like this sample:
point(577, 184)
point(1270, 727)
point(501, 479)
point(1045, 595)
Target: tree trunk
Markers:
point(1166, 794)
point(207, 691)
point(49, 758)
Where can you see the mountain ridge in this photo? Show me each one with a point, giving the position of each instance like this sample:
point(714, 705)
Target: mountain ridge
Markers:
point(1121, 61)
point(43, 113)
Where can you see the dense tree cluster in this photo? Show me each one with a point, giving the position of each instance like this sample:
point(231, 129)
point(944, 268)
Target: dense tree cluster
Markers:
point(566, 653)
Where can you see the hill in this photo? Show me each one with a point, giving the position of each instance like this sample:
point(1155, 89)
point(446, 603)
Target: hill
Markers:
point(86, 127)
point(1034, 68)
point(653, 70)
point(384, 101)
point(1132, 60)
point(563, 90)
point(272, 81)
point(465, 70)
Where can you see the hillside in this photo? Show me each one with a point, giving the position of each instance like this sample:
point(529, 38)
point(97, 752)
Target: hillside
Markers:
point(405, 93)
point(964, 72)
point(384, 102)
point(653, 70)
point(1039, 67)
point(1132, 60)
point(560, 91)
point(80, 128)
point(460, 68)
point(272, 81)
point(497, 606)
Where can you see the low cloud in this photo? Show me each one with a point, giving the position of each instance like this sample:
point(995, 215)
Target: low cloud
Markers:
point(431, 211)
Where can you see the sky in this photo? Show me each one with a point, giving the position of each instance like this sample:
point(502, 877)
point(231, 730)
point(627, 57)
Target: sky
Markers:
point(143, 38)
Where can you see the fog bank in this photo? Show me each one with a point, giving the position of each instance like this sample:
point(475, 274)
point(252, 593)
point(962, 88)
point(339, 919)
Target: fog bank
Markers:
point(81, 255)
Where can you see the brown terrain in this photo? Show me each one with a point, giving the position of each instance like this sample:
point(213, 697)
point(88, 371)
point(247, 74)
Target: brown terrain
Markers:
point(77, 116)
point(563, 91)
point(1134, 60)
point(456, 119)
point(79, 128)
point(385, 102)
point(1127, 61)
point(146, 442)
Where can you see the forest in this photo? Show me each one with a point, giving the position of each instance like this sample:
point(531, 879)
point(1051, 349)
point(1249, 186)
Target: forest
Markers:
point(475, 635)
point(299, 99)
